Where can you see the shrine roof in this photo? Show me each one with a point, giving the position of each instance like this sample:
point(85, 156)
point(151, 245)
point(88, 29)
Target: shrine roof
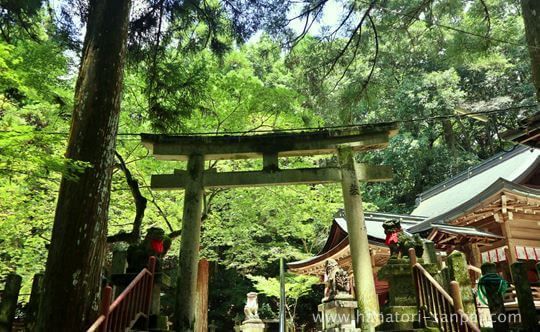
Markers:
point(375, 220)
point(466, 231)
point(511, 166)
point(448, 237)
point(338, 236)
point(499, 186)
point(281, 142)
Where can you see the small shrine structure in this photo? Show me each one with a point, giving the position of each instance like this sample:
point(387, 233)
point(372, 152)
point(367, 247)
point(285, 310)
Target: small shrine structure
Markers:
point(337, 248)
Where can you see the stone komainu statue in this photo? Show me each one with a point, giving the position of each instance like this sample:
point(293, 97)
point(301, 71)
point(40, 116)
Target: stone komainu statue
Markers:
point(251, 309)
point(337, 280)
point(399, 241)
point(392, 229)
point(155, 243)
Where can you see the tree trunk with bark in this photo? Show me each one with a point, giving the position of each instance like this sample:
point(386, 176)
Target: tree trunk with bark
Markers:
point(449, 136)
point(73, 273)
point(531, 17)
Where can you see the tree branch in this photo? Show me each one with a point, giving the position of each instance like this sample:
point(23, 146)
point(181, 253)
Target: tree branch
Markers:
point(140, 206)
point(141, 203)
point(356, 31)
point(160, 210)
point(487, 18)
point(175, 234)
point(368, 79)
point(307, 26)
point(308, 11)
point(344, 21)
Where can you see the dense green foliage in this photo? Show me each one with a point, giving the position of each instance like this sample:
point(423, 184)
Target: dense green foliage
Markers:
point(422, 71)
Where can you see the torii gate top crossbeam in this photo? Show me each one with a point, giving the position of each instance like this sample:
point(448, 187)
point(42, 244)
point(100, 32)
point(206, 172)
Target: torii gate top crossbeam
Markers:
point(282, 144)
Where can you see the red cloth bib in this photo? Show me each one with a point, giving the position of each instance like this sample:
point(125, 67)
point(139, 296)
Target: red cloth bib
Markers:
point(391, 238)
point(157, 246)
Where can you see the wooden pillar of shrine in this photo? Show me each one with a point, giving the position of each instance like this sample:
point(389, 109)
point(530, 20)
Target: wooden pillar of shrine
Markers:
point(186, 292)
point(201, 322)
point(510, 251)
point(366, 294)
point(474, 257)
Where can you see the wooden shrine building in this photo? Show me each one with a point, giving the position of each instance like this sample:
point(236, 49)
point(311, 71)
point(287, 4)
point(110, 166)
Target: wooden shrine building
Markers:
point(491, 212)
point(500, 199)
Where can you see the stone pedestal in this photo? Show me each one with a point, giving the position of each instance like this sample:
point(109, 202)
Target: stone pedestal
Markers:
point(160, 280)
point(252, 325)
point(158, 321)
point(429, 255)
point(118, 266)
point(458, 271)
point(401, 313)
point(339, 315)
point(398, 273)
point(399, 318)
point(527, 309)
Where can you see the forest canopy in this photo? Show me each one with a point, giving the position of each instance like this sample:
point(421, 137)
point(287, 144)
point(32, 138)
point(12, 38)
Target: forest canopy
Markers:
point(243, 66)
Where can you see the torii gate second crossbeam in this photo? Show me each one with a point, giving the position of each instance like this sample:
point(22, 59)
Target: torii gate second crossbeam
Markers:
point(196, 149)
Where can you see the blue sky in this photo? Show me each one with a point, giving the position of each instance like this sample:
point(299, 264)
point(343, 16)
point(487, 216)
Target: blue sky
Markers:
point(331, 15)
point(332, 12)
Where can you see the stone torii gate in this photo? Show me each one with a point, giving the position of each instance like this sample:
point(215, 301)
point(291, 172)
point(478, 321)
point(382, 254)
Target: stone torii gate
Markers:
point(196, 149)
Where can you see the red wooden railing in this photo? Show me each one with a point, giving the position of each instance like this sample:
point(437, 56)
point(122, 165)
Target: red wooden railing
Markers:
point(129, 306)
point(434, 302)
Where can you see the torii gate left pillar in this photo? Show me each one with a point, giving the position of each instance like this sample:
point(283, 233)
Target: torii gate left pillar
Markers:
point(197, 149)
point(186, 286)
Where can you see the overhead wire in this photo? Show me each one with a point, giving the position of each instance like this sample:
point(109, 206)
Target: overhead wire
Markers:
point(461, 115)
point(393, 121)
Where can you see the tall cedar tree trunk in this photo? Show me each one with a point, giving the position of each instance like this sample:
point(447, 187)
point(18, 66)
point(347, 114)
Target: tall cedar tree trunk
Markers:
point(531, 14)
point(72, 278)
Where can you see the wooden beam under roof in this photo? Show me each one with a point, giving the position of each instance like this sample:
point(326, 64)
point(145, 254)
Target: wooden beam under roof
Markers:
point(284, 144)
point(527, 133)
point(265, 178)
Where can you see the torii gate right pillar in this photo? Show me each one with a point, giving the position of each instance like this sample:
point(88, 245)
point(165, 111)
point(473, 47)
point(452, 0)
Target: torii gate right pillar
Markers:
point(366, 296)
